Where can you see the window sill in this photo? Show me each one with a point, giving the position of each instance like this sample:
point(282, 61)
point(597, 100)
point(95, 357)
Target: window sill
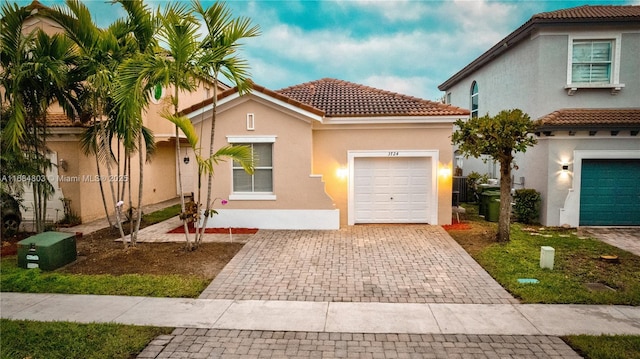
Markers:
point(573, 88)
point(252, 197)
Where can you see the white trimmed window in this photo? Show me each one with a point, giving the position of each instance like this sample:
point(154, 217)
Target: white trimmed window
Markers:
point(262, 179)
point(594, 62)
point(591, 61)
point(474, 100)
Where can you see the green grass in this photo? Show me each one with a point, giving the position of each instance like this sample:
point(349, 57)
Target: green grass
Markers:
point(51, 340)
point(606, 346)
point(15, 279)
point(161, 215)
point(576, 263)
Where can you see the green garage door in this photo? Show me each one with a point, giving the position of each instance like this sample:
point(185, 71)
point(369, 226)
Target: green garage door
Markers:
point(610, 192)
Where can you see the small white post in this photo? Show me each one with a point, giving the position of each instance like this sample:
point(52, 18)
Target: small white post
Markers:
point(547, 255)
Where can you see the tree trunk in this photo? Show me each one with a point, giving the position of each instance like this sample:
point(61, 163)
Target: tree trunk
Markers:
point(104, 199)
point(127, 173)
point(211, 151)
point(504, 223)
point(134, 235)
point(185, 220)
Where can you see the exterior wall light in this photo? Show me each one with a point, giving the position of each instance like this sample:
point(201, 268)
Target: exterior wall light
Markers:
point(342, 172)
point(186, 160)
point(64, 165)
point(565, 167)
point(445, 172)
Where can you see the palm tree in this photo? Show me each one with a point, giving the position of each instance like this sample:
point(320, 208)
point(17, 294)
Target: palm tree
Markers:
point(37, 72)
point(103, 51)
point(241, 154)
point(175, 66)
point(220, 56)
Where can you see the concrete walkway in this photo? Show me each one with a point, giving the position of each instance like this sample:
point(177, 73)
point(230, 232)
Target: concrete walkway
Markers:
point(331, 317)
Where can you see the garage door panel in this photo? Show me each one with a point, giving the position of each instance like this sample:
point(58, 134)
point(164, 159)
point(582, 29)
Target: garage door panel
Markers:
point(392, 190)
point(610, 192)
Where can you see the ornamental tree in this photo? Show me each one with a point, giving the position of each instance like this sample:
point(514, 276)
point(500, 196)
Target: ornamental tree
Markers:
point(499, 137)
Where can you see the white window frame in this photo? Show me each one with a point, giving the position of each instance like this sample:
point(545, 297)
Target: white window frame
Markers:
point(251, 196)
point(251, 122)
point(474, 95)
point(614, 81)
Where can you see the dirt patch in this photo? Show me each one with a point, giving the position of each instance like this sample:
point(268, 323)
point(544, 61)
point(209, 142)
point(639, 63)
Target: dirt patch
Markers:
point(99, 253)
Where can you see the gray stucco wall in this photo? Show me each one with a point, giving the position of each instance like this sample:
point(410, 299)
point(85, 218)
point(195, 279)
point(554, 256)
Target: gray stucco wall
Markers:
point(532, 76)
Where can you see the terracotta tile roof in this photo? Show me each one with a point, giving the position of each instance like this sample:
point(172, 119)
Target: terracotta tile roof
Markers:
point(258, 88)
point(61, 120)
point(568, 119)
point(339, 98)
point(627, 15)
point(600, 12)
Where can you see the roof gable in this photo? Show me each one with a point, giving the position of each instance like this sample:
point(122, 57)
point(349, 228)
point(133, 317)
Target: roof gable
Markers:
point(259, 91)
point(339, 98)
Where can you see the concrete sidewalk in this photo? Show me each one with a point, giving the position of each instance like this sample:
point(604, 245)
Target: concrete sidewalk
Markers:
point(331, 317)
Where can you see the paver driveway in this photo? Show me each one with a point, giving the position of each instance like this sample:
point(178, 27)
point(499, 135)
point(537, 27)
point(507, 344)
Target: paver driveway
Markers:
point(364, 263)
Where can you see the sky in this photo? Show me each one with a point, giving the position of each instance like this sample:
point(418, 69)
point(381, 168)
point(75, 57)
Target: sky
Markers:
point(404, 46)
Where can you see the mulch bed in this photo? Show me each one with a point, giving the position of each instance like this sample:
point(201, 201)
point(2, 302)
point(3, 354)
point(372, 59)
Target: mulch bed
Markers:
point(180, 229)
point(453, 227)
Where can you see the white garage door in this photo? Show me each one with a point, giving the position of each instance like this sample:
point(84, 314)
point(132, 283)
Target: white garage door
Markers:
point(392, 189)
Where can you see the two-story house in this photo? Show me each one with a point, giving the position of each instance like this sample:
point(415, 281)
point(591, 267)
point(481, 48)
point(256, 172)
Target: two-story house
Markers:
point(577, 72)
point(74, 175)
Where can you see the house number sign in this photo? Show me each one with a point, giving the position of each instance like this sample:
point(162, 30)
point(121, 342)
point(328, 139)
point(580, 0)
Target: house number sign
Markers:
point(393, 154)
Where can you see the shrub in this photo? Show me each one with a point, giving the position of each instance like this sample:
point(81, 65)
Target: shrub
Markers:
point(527, 205)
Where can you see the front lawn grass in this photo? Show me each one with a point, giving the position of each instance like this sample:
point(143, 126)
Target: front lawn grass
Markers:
point(64, 340)
point(606, 346)
point(577, 262)
point(15, 279)
point(161, 215)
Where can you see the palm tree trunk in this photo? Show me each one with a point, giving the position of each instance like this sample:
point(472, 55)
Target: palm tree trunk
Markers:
point(211, 150)
point(104, 199)
point(128, 175)
point(180, 187)
point(134, 235)
point(106, 147)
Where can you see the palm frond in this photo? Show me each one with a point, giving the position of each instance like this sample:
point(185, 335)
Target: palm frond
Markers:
point(185, 125)
point(241, 154)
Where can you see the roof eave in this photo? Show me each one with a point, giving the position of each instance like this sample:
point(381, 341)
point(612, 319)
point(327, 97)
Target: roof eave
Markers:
point(517, 36)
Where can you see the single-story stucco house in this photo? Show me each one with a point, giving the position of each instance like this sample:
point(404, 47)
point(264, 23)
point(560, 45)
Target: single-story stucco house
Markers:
point(331, 153)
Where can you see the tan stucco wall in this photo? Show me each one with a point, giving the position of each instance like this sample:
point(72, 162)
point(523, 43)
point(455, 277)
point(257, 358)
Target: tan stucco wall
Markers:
point(332, 143)
point(292, 155)
point(161, 127)
point(81, 184)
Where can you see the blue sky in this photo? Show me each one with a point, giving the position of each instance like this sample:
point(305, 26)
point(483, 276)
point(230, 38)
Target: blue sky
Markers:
point(408, 47)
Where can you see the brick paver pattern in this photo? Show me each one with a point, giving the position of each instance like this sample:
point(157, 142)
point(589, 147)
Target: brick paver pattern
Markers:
point(238, 344)
point(623, 238)
point(365, 263)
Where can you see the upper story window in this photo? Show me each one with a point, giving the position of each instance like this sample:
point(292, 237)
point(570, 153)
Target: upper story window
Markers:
point(591, 61)
point(157, 93)
point(594, 62)
point(474, 99)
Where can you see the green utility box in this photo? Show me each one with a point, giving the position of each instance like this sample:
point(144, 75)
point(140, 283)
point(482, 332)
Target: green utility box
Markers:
point(493, 209)
point(53, 250)
point(487, 203)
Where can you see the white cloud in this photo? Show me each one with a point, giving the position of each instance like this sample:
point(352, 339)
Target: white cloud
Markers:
point(412, 60)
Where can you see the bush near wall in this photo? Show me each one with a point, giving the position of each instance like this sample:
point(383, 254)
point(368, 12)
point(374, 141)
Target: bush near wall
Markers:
point(527, 205)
